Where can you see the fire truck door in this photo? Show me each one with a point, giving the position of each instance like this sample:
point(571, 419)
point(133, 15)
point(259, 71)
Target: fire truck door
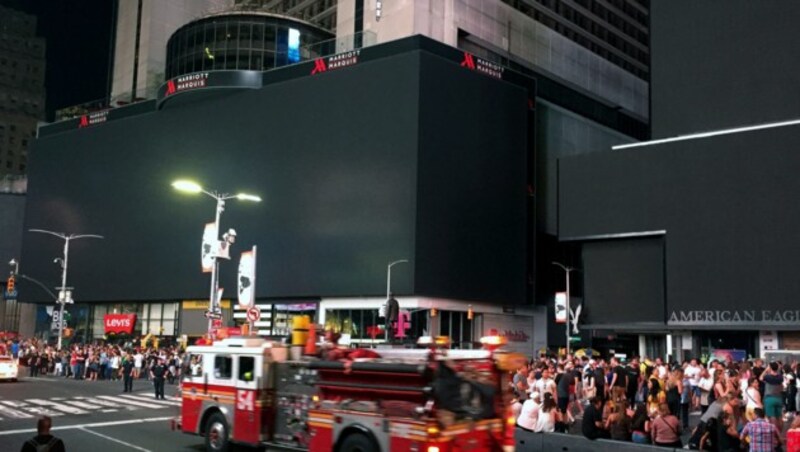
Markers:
point(247, 413)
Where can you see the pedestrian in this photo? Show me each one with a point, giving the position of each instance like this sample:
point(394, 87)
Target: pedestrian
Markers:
point(772, 394)
point(666, 428)
point(592, 425)
point(43, 441)
point(158, 373)
point(127, 374)
point(762, 435)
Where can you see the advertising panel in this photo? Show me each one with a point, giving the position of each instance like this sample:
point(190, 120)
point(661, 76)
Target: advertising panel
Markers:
point(119, 323)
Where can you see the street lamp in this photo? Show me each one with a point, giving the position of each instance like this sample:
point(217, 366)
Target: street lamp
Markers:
point(15, 264)
point(567, 271)
point(187, 186)
point(62, 294)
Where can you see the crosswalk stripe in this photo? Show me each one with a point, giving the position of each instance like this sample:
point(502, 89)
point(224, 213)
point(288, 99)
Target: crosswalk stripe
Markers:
point(35, 410)
point(132, 402)
point(150, 400)
point(57, 406)
point(103, 403)
point(16, 414)
point(84, 405)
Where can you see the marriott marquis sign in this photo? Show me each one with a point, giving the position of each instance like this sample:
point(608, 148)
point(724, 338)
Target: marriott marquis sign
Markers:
point(734, 317)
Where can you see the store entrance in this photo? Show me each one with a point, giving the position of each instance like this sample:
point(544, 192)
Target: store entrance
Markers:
point(733, 345)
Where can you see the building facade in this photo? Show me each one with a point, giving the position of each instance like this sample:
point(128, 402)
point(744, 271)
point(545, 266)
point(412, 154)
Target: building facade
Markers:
point(22, 64)
point(243, 41)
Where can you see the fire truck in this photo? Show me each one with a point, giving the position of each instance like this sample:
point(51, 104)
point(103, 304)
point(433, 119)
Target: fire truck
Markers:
point(243, 390)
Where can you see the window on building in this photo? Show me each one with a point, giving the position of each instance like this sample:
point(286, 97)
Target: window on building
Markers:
point(456, 326)
point(223, 366)
point(246, 366)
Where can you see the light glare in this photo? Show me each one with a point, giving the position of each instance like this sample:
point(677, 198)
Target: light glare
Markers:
point(246, 197)
point(187, 186)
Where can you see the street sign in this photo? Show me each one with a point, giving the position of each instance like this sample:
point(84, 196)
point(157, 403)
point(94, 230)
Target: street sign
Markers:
point(10, 295)
point(253, 314)
point(213, 315)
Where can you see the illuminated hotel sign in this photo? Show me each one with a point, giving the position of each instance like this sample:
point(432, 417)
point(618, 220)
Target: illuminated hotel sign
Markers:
point(734, 317)
point(335, 62)
point(186, 82)
point(474, 63)
point(92, 119)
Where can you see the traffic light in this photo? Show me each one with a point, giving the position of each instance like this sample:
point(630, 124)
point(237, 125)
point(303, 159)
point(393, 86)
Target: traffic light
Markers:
point(434, 312)
point(10, 284)
point(470, 313)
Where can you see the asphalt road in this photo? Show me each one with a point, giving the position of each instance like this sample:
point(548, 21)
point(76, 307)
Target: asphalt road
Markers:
point(92, 415)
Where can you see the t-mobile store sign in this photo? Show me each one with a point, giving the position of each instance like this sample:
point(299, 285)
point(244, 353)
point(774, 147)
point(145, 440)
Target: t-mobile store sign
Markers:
point(119, 323)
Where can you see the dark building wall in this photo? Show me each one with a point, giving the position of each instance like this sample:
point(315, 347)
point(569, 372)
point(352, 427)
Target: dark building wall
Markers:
point(726, 205)
point(472, 187)
point(13, 208)
point(722, 63)
point(333, 155)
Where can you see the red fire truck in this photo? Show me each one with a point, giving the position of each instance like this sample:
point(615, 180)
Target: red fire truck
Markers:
point(242, 390)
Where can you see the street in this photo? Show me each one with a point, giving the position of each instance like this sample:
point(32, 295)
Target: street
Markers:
point(91, 415)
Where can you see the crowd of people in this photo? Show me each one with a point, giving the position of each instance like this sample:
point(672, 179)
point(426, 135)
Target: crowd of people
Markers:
point(100, 360)
point(741, 406)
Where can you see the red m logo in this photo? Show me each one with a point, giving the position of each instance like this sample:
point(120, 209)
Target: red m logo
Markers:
point(469, 61)
point(84, 122)
point(170, 88)
point(319, 66)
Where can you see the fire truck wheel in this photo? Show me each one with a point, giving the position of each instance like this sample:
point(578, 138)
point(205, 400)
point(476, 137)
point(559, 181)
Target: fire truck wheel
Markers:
point(217, 433)
point(358, 442)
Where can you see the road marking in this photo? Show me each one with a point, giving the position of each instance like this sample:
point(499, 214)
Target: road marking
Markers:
point(84, 405)
point(150, 400)
point(14, 413)
point(131, 402)
point(93, 425)
point(57, 406)
point(105, 403)
point(132, 446)
point(35, 410)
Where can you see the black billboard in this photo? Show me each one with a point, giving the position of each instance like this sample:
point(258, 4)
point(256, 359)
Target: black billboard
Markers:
point(719, 64)
point(725, 210)
point(408, 156)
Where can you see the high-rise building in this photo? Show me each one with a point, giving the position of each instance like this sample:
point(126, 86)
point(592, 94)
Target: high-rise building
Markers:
point(140, 44)
point(22, 57)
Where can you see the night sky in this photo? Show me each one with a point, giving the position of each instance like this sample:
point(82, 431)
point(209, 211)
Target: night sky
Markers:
point(78, 37)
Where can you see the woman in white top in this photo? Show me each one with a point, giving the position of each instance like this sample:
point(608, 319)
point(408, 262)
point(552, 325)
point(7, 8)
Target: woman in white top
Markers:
point(753, 399)
point(548, 416)
point(530, 412)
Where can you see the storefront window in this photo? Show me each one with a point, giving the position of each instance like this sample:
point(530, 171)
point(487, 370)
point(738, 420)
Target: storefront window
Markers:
point(456, 326)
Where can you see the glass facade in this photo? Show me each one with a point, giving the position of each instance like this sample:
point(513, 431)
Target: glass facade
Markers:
point(242, 42)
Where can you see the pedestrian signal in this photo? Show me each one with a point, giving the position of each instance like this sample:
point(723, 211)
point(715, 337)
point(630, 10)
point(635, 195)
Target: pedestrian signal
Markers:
point(10, 284)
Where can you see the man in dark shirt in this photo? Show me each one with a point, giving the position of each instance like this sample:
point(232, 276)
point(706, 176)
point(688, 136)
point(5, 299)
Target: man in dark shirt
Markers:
point(563, 380)
point(592, 424)
point(127, 377)
point(633, 381)
point(599, 379)
point(43, 438)
point(619, 382)
point(158, 373)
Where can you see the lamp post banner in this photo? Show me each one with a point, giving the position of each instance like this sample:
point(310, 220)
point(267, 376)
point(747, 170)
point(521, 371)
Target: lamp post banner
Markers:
point(247, 278)
point(561, 307)
point(209, 248)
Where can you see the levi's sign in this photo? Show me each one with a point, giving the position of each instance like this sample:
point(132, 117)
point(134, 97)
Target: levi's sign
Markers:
point(734, 317)
point(119, 323)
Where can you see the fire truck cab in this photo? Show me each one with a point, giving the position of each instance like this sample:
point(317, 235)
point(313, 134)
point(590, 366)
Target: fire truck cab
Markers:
point(229, 394)
point(243, 390)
